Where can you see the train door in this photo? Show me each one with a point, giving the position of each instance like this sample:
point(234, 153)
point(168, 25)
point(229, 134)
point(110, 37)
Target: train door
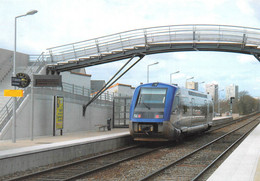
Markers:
point(175, 112)
point(185, 112)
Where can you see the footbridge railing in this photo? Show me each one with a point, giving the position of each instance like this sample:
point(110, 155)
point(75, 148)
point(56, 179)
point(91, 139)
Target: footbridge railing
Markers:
point(152, 40)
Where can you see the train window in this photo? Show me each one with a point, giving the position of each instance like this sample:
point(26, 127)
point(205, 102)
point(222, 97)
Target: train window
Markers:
point(151, 97)
point(175, 103)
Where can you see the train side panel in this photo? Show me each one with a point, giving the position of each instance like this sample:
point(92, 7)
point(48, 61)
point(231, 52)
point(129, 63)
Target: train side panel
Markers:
point(162, 112)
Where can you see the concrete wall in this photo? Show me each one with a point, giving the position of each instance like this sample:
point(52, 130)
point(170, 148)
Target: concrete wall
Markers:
point(43, 115)
point(42, 155)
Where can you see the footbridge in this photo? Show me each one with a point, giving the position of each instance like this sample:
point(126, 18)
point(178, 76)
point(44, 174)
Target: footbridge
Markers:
point(146, 41)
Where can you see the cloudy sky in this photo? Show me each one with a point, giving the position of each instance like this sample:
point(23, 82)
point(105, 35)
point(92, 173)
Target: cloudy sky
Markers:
point(60, 22)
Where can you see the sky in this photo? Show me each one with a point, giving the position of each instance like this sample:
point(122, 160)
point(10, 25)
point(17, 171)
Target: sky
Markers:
point(61, 22)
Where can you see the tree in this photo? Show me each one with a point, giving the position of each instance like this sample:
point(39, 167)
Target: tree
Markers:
point(246, 103)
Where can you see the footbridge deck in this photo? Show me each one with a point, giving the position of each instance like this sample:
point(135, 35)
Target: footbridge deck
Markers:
point(154, 40)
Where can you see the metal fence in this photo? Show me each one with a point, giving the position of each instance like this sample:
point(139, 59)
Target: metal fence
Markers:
point(105, 99)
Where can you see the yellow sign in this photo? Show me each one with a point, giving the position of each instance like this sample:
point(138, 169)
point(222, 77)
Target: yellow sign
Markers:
point(59, 112)
point(13, 93)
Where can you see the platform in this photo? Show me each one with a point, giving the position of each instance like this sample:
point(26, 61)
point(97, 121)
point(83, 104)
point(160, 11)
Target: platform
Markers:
point(244, 163)
point(46, 140)
point(27, 154)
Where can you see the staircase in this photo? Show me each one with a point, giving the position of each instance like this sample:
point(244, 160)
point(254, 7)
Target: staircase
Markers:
point(5, 84)
point(6, 104)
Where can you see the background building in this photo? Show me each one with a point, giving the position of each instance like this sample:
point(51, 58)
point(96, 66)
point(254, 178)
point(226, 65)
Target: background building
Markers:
point(77, 77)
point(121, 90)
point(212, 89)
point(232, 91)
point(97, 85)
point(192, 85)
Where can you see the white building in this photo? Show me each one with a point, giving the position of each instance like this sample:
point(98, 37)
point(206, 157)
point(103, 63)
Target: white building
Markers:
point(121, 90)
point(212, 89)
point(232, 91)
point(192, 85)
point(77, 77)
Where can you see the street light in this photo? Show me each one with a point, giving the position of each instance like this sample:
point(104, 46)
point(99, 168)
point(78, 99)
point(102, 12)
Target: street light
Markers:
point(148, 70)
point(14, 74)
point(172, 74)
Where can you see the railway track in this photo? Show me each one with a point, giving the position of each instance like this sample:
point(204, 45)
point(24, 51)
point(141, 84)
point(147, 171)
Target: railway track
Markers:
point(141, 167)
point(193, 165)
point(135, 162)
point(80, 168)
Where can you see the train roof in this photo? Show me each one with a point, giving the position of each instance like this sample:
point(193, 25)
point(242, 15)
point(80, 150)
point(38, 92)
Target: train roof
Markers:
point(184, 91)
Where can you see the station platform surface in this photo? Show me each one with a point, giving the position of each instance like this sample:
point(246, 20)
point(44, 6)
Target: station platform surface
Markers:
point(243, 164)
point(67, 138)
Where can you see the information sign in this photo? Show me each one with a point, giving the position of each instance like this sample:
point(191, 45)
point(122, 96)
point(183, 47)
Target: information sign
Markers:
point(59, 113)
point(13, 93)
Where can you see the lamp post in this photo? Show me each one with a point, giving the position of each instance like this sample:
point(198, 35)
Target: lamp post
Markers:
point(148, 70)
point(188, 79)
point(172, 74)
point(14, 74)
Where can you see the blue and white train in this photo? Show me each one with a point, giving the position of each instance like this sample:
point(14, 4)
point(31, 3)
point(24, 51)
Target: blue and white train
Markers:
point(163, 112)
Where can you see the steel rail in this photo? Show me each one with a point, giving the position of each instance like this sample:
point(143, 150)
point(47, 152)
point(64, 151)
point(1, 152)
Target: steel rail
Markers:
point(29, 176)
point(191, 153)
point(70, 164)
point(223, 153)
point(112, 164)
point(225, 124)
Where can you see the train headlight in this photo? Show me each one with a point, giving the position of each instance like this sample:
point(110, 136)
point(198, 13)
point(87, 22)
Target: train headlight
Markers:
point(158, 116)
point(137, 116)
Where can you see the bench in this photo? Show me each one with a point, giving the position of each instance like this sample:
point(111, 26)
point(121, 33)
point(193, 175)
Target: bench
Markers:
point(101, 126)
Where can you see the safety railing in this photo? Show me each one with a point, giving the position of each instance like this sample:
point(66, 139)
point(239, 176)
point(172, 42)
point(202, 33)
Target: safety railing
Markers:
point(106, 99)
point(83, 91)
point(156, 35)
point(7, 111)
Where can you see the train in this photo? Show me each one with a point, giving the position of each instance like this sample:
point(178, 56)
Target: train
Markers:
point(164, 112)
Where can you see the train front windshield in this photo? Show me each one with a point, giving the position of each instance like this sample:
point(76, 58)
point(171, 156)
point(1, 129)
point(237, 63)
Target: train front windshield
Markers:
point(150, 103)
